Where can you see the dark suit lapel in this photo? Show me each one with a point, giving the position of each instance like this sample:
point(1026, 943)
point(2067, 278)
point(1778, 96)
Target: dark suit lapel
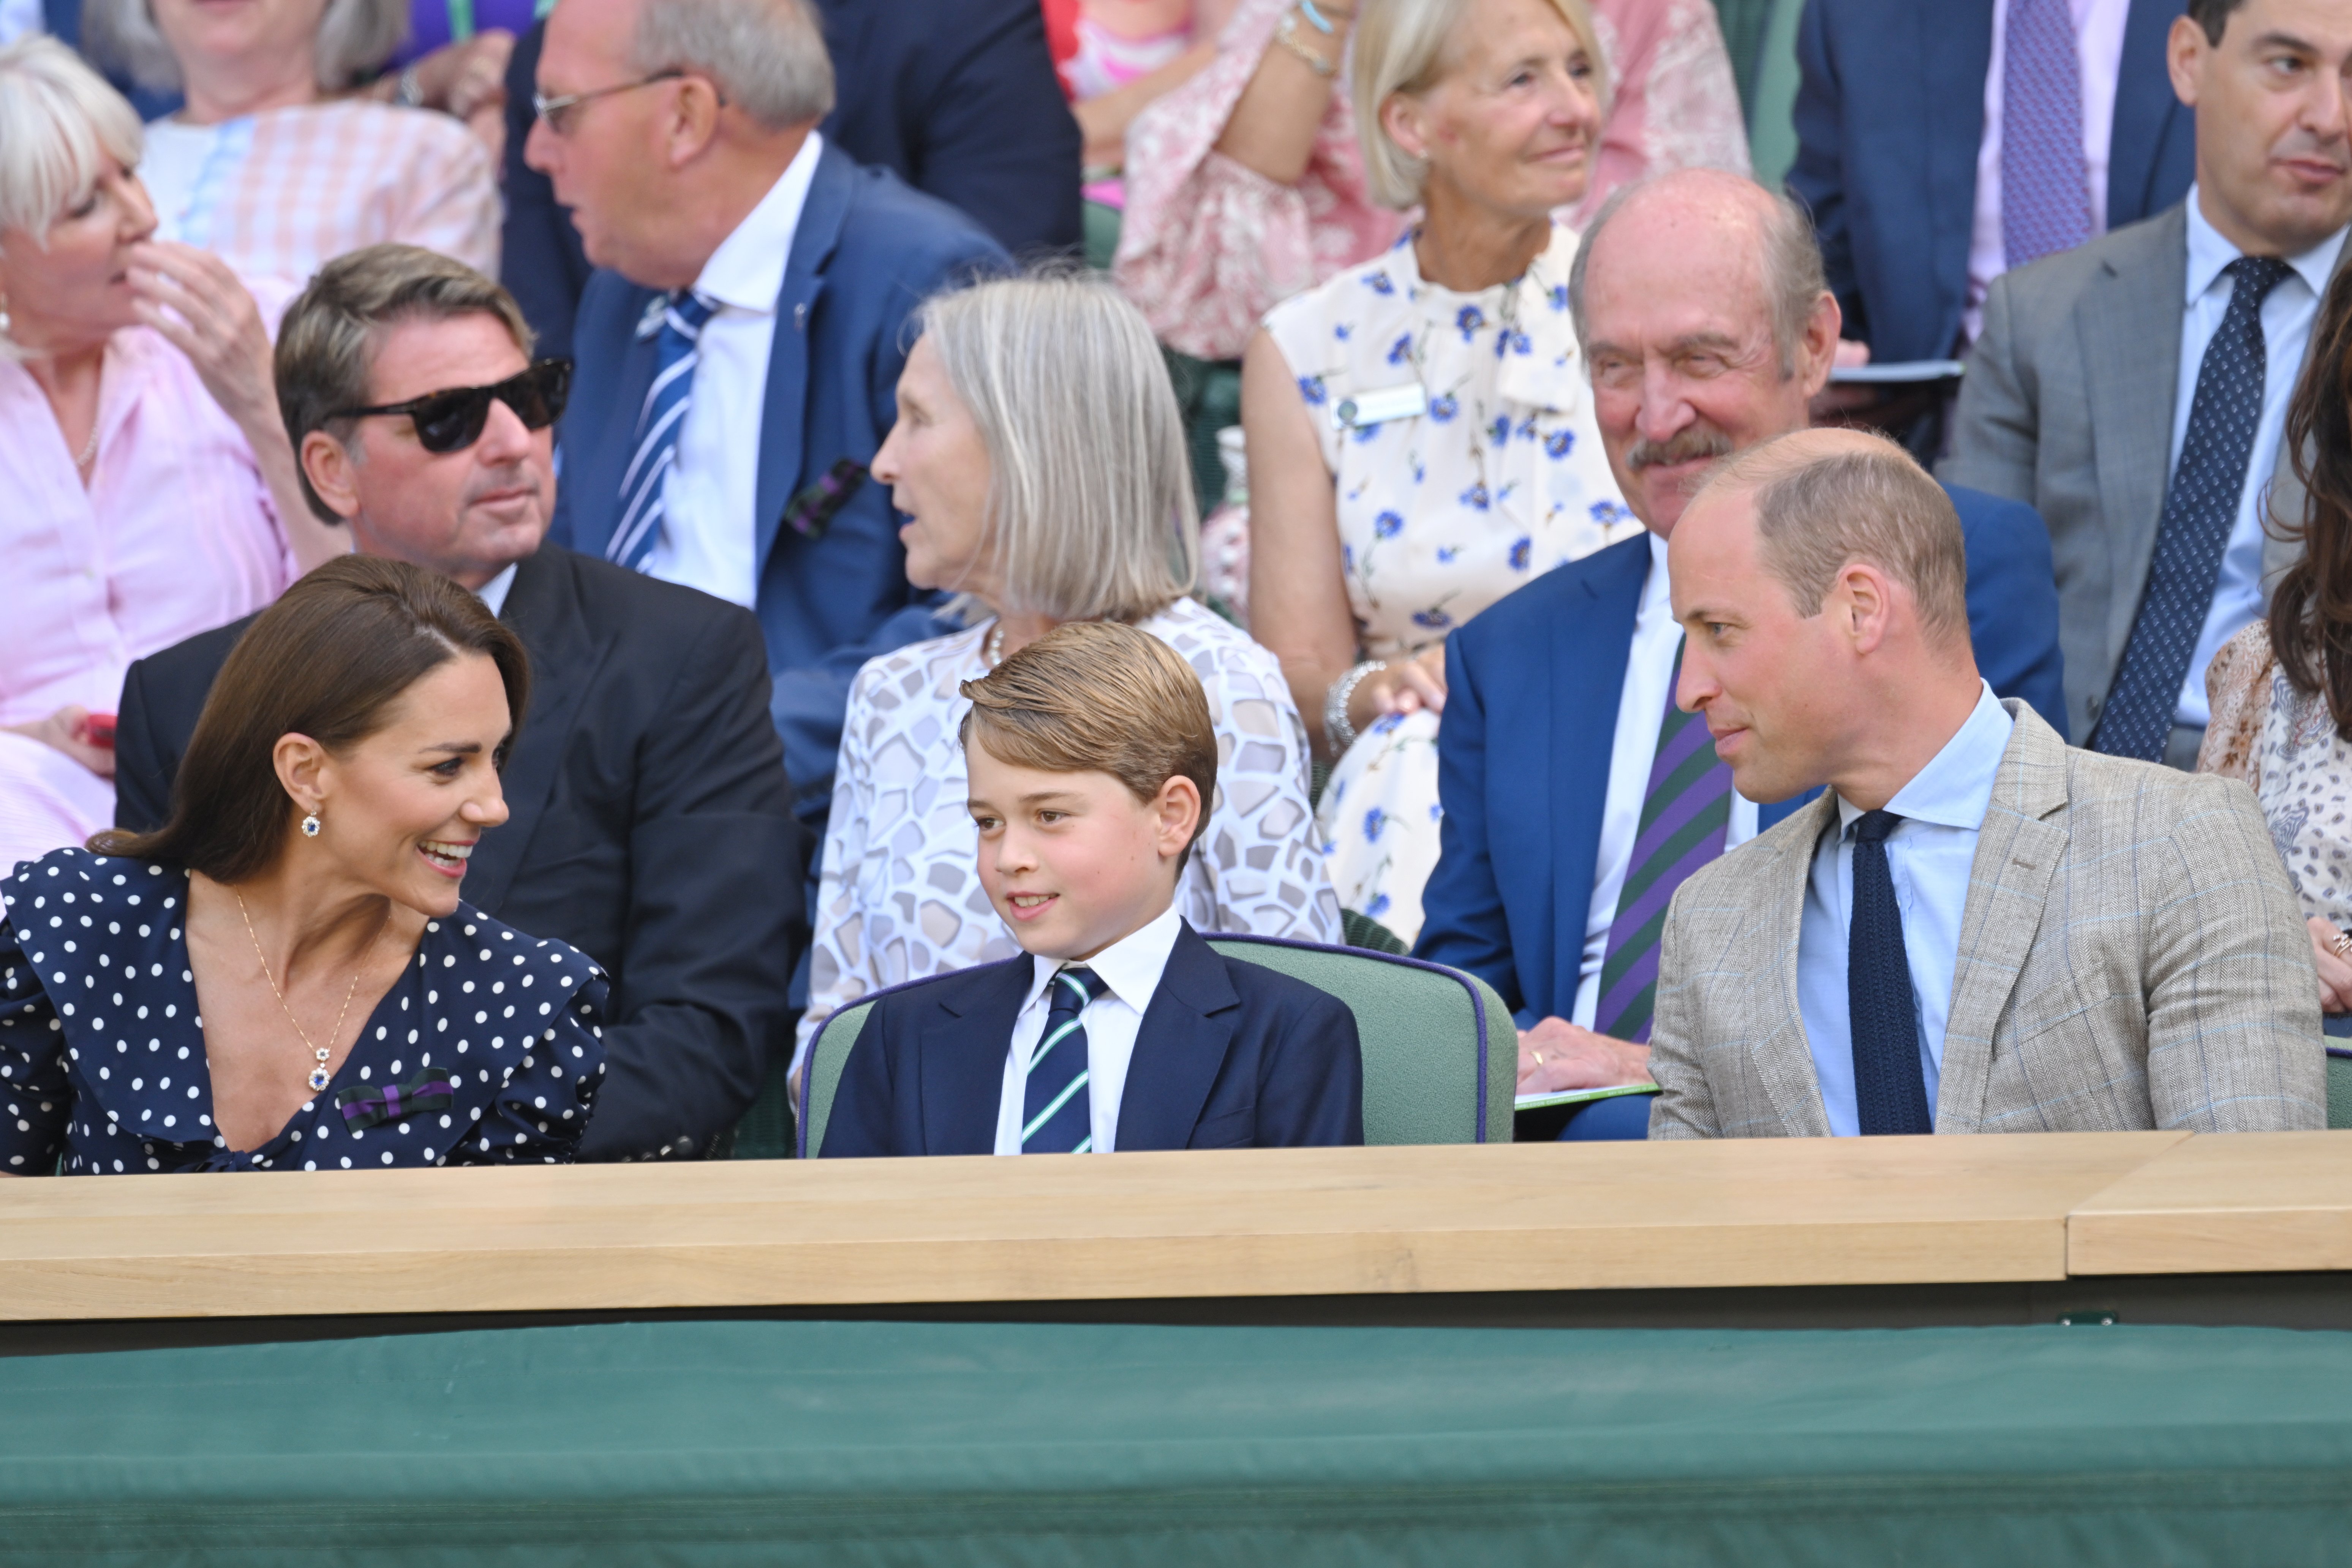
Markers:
point(1180, 1049)
point(1954, 52)
point(959, 1059)
point(594, 464)
point(566, 655)
point(785, 413)
point(1586, 680)
point(2129, 322)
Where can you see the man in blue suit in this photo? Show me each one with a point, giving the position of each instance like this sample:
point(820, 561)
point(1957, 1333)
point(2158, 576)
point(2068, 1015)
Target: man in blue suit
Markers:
point(1577, 796)
point(740, 343)
point(1929, 143)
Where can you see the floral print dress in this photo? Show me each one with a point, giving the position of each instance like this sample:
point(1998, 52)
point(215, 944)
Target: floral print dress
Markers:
point(1458, 431)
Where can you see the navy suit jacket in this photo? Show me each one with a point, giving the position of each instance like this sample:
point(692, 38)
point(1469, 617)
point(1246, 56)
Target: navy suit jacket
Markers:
point(1230, 1056)
point(1542, 671)
point(1890, 114)
point(958, 98)
point(867, 251)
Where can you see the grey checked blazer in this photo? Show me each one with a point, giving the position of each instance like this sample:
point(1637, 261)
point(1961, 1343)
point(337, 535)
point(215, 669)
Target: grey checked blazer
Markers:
point(2131, 957)
point(2068, 406)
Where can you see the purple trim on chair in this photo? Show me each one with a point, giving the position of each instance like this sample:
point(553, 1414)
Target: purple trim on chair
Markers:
point(1477, 1005)
point(2339, 1050)
point(801, 1107)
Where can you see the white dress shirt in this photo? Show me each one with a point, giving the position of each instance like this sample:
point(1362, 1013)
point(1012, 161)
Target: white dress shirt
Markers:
point(1641, 704)
point(2099, 52)
point(1131, 968)
point(494, 592)
point(710, 533)
point(1929, 855)
point(2287, 313)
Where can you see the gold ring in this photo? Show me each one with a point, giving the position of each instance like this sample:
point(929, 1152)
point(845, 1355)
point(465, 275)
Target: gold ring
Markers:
point(2342, 944)
point(1538, 1056)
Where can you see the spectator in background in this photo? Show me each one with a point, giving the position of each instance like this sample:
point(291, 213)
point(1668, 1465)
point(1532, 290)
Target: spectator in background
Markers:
point(1246, 184)
point(1421, 436)
point(151, 490)
point(1577, 796)
point(2170, 348)
point(1938, 145)
point(766, 281)
point(956, 97)
point(1040, 463)
point(1117, 58)
point(264, 166)
point(651, 823)
point(2281, 690)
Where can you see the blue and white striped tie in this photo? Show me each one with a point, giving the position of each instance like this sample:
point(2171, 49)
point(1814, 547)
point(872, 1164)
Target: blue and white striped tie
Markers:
point(658, 423)
point(1056, 1110)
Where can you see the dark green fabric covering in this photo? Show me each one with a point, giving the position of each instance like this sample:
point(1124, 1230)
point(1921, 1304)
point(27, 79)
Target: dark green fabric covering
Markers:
point(743, 1443)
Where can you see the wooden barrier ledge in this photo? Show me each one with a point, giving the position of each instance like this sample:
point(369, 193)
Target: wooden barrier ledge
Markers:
point(2223, 1204)
point(1239, 1224)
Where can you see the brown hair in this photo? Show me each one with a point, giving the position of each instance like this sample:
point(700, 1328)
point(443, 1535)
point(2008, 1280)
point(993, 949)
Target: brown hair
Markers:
point(1095, 697)
point(327, 660)
point(328, 340)
point(2311, 609)
point(1868, 501)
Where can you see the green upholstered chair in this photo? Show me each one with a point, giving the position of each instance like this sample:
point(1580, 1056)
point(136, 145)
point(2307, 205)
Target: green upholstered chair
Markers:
point(1441, 1054)
point(2339, 1088)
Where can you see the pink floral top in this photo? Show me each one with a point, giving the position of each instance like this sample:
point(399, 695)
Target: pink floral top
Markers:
point(1209, 246)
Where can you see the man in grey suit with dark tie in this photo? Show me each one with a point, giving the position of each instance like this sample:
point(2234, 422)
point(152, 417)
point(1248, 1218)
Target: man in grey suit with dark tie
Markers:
point(1977, 928)
point(2135, 390)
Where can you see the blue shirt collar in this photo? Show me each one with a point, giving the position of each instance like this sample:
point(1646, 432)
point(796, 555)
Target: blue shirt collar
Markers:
point(1955, 789)
point(2209, 253)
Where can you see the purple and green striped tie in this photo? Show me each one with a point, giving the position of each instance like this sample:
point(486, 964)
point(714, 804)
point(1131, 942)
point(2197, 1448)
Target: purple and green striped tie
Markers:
point(1686, 813)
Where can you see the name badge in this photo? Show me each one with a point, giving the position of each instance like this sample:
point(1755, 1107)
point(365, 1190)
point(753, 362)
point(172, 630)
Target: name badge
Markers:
point(1404, 402)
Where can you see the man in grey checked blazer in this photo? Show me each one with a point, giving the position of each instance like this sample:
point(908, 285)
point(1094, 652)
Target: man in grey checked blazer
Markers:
point(2119, 949)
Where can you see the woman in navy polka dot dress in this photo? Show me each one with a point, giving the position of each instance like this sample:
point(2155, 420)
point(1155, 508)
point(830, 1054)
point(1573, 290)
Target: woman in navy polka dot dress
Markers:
point(284, 976)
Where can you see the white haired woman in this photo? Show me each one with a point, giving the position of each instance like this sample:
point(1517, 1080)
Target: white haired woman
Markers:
point(1039, 460)
point(151, 490)
point(264, 166)
point(1419, 430)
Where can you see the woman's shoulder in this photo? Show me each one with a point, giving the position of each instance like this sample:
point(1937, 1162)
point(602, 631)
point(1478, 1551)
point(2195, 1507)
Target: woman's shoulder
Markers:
point(1213, 645)
point(387, 131)
point(1326, 323)
point(75, 876)
point(469, 940)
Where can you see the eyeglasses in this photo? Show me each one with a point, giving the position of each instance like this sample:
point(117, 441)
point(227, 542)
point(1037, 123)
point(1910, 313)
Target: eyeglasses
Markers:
point(557, 111)
point(451, 421)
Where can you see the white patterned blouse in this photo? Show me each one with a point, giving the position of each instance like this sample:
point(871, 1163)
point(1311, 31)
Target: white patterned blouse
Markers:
point(900, 895)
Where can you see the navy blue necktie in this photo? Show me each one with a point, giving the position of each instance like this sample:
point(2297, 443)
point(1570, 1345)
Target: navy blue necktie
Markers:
point(2200, 510)
point(1056, 1110)
point(1890, 1089)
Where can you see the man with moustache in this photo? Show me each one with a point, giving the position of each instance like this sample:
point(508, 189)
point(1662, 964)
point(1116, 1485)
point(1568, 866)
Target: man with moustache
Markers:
point(1577, 798)
point(2135, 390)
point(651, 821)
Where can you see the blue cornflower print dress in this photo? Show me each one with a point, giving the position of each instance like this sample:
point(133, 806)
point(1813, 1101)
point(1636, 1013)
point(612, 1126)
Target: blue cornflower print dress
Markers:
point(1498, 477)
point(487, 1050)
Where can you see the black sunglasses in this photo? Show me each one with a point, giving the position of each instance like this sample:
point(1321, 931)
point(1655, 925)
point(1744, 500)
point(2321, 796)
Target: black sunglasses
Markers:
point(452, 420)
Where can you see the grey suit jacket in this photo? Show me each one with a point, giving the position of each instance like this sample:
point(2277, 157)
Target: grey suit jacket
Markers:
point(2131, 957)
point(2068, 405)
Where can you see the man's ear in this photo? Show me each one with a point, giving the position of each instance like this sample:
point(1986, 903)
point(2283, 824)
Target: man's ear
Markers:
point(333, 471)
point(1864, 597)
point(1817, 345)
point(693, 124)
point(2185, 49)
point(1178, 807)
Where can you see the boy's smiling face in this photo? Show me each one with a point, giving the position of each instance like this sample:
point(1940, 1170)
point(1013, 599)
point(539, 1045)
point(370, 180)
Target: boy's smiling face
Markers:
point(1073, 861)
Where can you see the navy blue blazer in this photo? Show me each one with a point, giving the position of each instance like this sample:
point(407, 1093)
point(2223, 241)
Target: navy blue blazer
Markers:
point(1890, 113)
point(1542, 671)
point(1230, 1056)
point(867, 251)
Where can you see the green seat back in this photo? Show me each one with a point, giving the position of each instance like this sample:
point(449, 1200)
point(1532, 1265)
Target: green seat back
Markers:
point(2339, 1088)
point(1772, 102)
point(1441, 1055)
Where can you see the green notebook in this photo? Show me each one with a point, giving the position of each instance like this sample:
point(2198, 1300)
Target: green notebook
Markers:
point(1580, 1096)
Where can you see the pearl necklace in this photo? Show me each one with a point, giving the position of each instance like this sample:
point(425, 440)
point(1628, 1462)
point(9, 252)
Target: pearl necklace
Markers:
point(89, 451)
point(991, 651)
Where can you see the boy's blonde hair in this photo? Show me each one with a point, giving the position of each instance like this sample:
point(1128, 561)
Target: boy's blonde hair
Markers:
point(1095, 696)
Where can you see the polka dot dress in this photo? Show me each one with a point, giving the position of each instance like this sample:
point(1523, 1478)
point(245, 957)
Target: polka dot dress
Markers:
point(487, 1050)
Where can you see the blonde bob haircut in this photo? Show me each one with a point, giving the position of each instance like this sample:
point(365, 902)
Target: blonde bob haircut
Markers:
point(60, 126)
point(354, 37)
point(1090, 509)
point(1408, 46)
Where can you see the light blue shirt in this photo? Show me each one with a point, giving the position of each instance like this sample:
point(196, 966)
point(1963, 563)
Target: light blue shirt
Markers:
point(2287, 314)
point(1929, 853)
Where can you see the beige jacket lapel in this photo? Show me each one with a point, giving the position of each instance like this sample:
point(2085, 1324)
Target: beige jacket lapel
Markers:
point(1780, 1052)
point(2018, 851)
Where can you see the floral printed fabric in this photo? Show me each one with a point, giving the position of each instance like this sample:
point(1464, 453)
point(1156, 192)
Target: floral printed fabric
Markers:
point(900, 895)
point(2283, 742)
point(1499, 480)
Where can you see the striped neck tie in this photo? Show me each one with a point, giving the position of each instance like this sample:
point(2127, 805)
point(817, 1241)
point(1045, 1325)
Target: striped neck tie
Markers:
point(658, 423)
point(1685, 815)
point(2046, 189)
point(1057, 1112)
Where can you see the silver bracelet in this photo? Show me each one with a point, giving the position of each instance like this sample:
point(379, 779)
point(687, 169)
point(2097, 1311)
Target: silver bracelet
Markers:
point(1336, 728)
point(409, 93)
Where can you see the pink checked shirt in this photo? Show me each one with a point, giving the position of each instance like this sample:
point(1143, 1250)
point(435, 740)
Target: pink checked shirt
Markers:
point(175, 535)
point(278, 194)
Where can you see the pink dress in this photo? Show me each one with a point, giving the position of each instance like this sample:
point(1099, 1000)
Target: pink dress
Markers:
point(1208, 246)
point(176, 534)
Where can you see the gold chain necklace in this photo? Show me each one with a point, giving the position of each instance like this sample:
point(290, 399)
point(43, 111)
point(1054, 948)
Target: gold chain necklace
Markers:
point(318, 1080)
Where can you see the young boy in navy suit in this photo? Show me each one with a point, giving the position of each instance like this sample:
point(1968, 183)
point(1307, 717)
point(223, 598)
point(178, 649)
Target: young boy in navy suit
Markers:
point(1092, 765)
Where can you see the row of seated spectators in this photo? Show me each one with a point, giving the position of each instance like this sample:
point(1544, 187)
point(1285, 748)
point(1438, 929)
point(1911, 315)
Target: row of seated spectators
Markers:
point(820, 484)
